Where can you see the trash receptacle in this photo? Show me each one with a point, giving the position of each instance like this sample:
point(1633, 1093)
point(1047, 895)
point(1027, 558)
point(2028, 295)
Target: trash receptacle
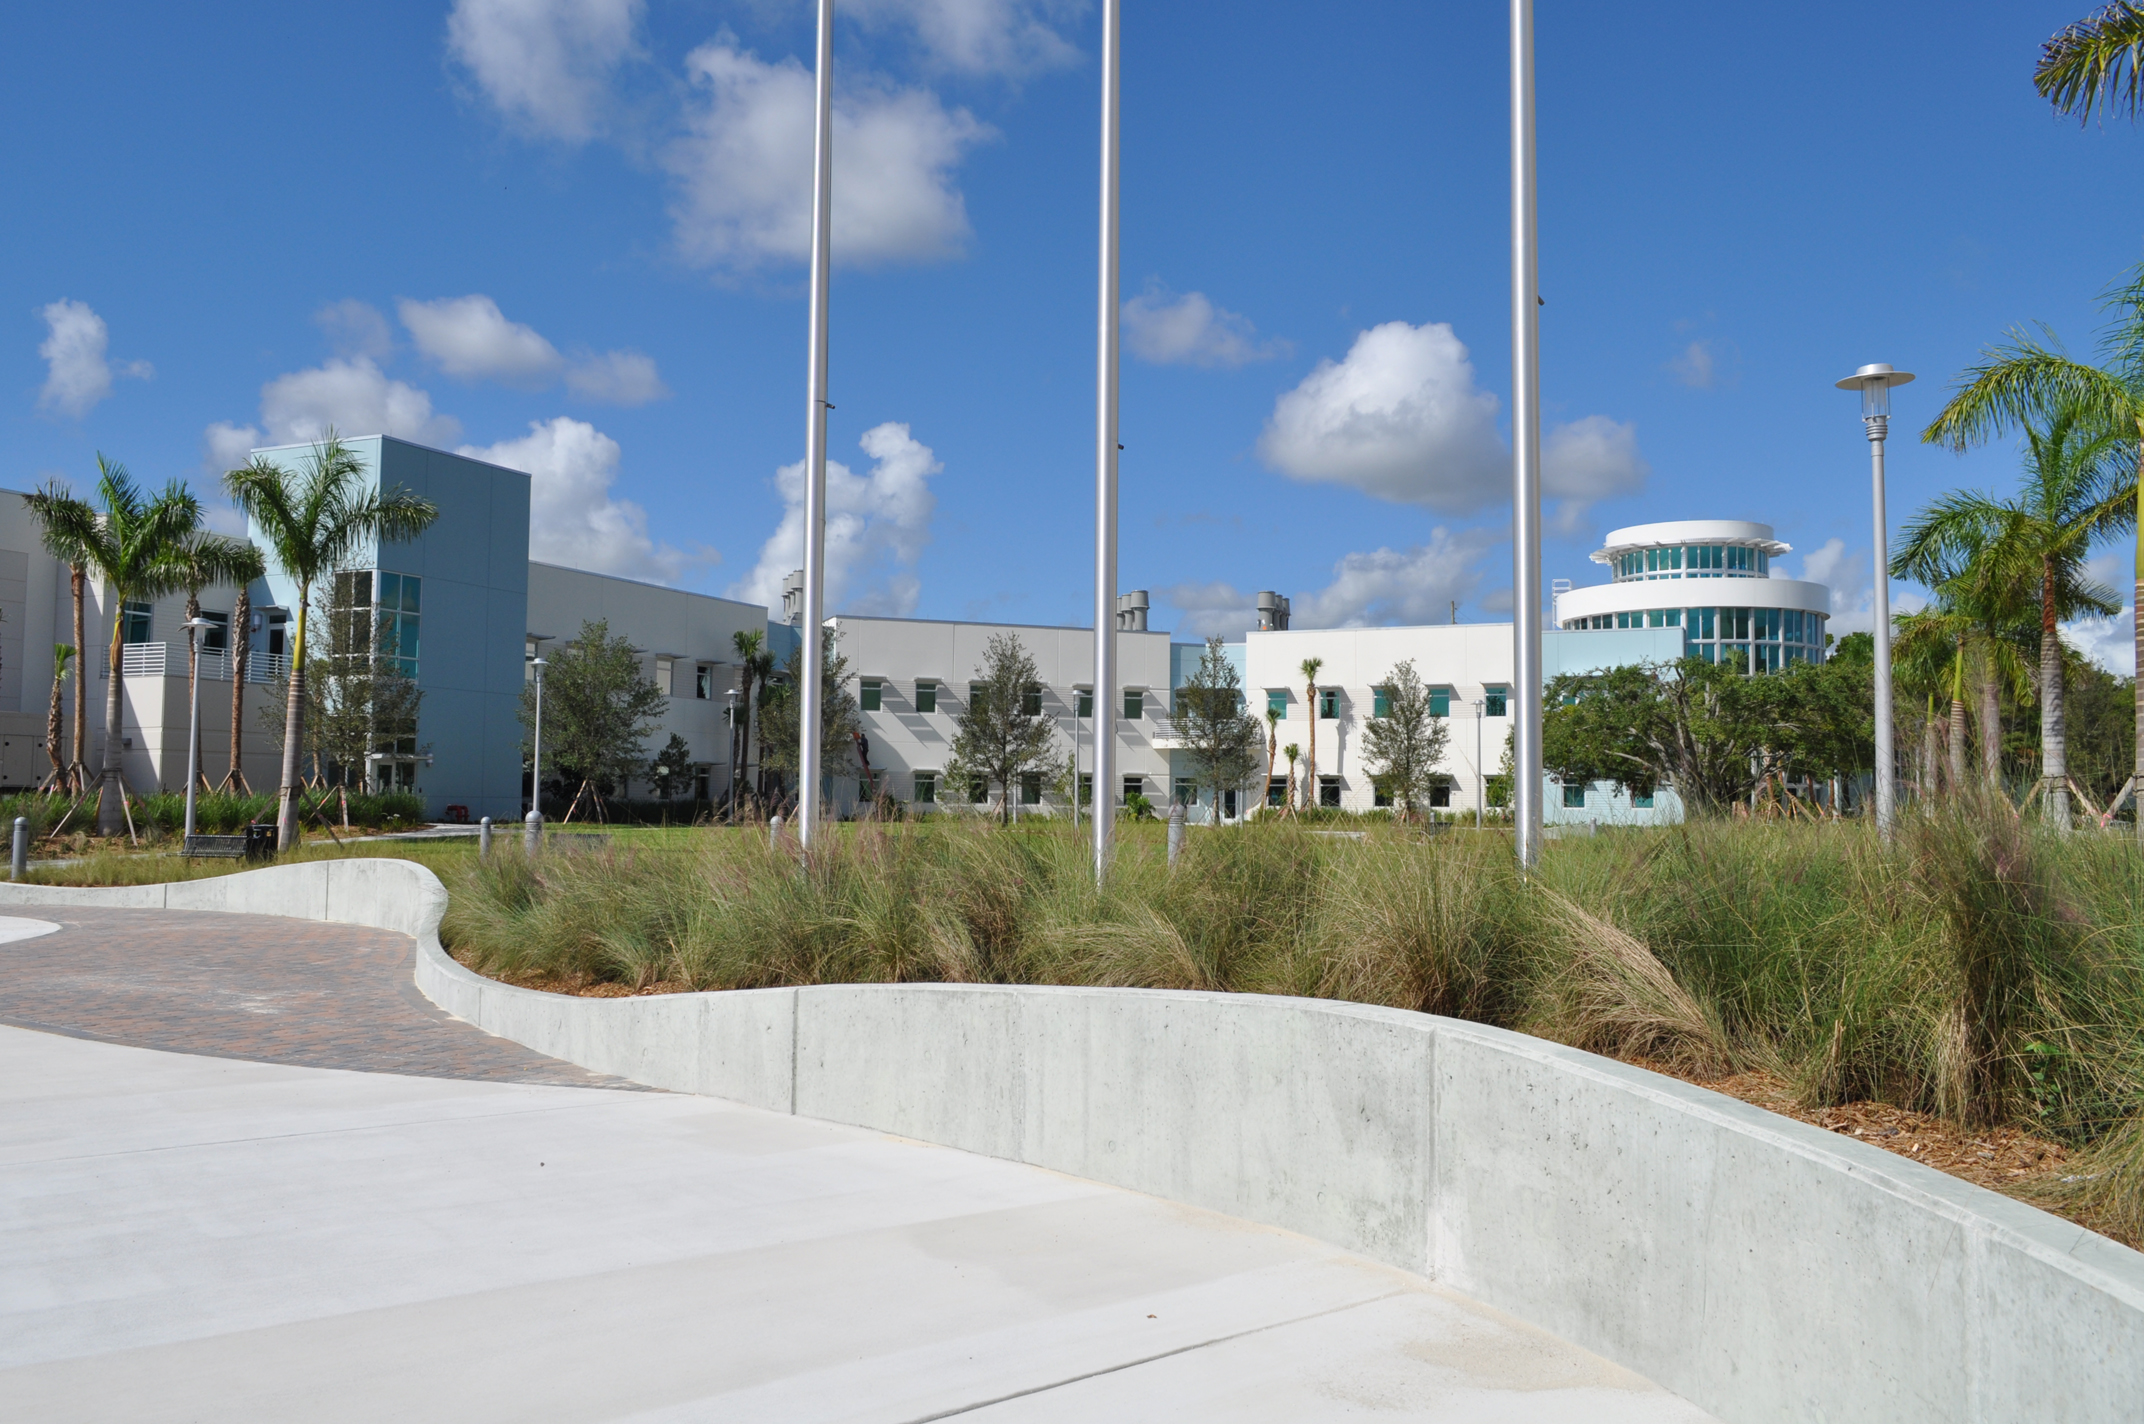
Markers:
point(260, 840)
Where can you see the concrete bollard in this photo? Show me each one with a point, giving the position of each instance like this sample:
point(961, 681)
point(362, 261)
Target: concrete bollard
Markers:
point(532, 832)
point(483, 839)
point(18, 864)
point(1176, 832)
point(774, 832)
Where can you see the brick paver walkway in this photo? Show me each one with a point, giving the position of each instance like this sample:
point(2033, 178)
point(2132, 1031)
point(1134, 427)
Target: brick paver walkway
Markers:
point(252, 986)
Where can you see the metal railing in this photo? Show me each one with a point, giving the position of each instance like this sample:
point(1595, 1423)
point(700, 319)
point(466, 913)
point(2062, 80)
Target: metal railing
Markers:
point(169, 660)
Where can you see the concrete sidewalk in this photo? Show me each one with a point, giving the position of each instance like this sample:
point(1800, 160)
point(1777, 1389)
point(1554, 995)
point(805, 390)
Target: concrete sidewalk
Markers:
point(191, 1238)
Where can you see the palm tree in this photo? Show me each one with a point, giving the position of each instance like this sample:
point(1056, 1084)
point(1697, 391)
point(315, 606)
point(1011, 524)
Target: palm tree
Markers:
point(205, 559)
point(1998, 617)
point(1291, 752)
point(314, 519)
point(62, 659)
point(753, 663)
point(249, 566)
point(133, 545)
point(2074, 495)
point(1931, 651)
point(2093, 64)
point(1272, 745)
point(57, 509)
point(1310, 764)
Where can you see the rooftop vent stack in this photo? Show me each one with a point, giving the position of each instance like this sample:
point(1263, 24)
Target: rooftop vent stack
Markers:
point(1131, 611)
point(1272, 612)
point(793, 599)
point(1557, 588)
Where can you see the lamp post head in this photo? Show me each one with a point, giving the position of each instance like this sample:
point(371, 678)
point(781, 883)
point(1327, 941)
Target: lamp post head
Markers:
point(1874, 382)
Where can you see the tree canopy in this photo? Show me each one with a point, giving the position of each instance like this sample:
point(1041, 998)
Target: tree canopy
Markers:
point(1403, 747)
point(1219, 736)
point(996, 737)
point(598, 709)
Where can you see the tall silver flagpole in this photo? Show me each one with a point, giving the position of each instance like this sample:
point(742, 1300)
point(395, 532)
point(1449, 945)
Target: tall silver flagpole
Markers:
point(1525, 448)
point(1105, 469)
point(822, 219)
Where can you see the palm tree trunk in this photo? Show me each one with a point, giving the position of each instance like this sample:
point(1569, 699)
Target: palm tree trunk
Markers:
point(193, 680)
point(2054, 741)
point(111, 791)
point(1957, 745)
point(2137, 612)
point(241, 640)
point(78, 755)
point(1991, 731)
point(286, 818)
point(54, 750)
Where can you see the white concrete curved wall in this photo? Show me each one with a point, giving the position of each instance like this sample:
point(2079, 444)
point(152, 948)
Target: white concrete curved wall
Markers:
point(1765, 1269)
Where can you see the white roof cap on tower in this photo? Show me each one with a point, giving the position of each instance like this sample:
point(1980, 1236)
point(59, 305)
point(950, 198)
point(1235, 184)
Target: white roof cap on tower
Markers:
point(1690, 531)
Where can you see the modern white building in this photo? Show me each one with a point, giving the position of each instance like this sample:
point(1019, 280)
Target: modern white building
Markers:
point(1468, 669)
point(1663, 576)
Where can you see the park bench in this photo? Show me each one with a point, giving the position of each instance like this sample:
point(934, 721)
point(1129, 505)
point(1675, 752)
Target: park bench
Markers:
point(256, 843)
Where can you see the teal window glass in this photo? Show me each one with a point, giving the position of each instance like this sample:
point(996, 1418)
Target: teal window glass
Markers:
point(134, 621)
point(1440, 702)
point(1328, 703)
point(1493, 701)
point(1574, 797)
point(1381, 701)
point(1643, 800)
point(1187, 791)
point(926, 697)
point(1277, 701)
point(1083, 704)
point(1276, 791)
point(867, 694)
point(1134, 704)
point(926, 788)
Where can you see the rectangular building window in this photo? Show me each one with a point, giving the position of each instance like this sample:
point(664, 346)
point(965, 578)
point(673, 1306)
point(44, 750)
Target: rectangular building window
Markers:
point(926, 696)
point(1574, 797)
point(1328, 703)
point(1086, 788)
point(978, 789)
point(1493, 701)
point(1440, 702)
point(1643, 800)
point(703, 682)
point(1329, 791)
point(1187, 791)
point(134, 621)
point(867, 694)
point(1276, 791)
point(978, 694)
point(1440, 795)
point(1134, 786)
point(1381, 702)
point(1378, 795)
point(1030, 788)
point(926, 788)
point(397, 614)
point(1031, 701)
point(1083, 702)
point(1277, 701)
point(218, 638)
point(1134, 704)
point(665, 676)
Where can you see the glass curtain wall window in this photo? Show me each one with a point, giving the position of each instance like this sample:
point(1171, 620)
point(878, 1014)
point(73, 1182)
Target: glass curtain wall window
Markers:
point(1277, 701)
point(1493, 701)
point(135, 621)
point(395, 602)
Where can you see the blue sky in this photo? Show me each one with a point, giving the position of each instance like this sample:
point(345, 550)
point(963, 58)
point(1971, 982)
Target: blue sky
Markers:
point(564, 233)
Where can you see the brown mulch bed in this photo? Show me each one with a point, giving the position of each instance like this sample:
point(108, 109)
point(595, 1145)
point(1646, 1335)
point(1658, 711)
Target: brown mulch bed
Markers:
point(2003, 1159)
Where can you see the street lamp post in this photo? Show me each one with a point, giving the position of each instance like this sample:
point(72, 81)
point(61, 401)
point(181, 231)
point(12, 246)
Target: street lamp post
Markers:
point(1105, 461)
point(811, 693)
point(536, 747)
point(736, 754)
point(1481, 777)
point(193, 628)
point(1875, 382)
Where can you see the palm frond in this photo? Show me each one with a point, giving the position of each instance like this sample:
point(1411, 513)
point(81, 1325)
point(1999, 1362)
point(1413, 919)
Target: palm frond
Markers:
point(2094, 65)
point(2023, 381)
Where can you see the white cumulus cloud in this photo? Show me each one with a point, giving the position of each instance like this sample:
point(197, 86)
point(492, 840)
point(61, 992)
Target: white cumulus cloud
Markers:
point(1850, 576)
point(743, 168)
point(574, 519)
point(1398, 586)
point(1207, 610)
point(1189, 330)
point(979, 36)
point(546, 64)
point(470, 338)
point(1401, 418)
point(355, 397)
point(78, 373)
point(225, 446)
point(876, 527)
point(355, 328)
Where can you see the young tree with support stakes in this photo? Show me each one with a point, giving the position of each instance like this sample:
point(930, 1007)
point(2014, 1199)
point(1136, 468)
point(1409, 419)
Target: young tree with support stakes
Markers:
point(840, 718)
point(1219, 737)
point(314, 519)
point(1310, 702)
point(599, 709)
point(1403, 747)
point(995, 737)
point(133, 544)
